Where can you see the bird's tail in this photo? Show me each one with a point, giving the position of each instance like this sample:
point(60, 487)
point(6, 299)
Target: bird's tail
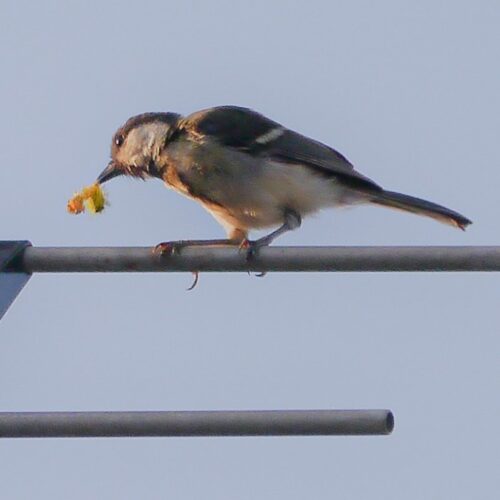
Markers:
point(421, 207)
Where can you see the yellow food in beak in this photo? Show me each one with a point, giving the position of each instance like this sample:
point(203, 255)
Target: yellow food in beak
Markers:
point(91, 198)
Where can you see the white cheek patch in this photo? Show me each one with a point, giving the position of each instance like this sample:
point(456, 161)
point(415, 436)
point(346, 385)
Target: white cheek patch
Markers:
point(133, 144)
point(272, 135)
point(151, 142)
point(143, 141)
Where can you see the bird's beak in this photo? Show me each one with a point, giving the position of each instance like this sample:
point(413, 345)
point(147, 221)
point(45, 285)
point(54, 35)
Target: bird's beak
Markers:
point(109, 172)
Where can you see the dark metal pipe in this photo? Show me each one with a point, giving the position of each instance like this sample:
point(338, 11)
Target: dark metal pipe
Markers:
point(280, 259)
point(196, 423)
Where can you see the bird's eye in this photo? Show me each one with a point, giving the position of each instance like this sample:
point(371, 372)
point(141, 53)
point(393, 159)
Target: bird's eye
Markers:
point(119, 140)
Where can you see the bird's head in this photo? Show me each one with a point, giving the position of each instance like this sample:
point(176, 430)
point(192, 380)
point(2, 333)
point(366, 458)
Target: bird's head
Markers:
point(137, 145)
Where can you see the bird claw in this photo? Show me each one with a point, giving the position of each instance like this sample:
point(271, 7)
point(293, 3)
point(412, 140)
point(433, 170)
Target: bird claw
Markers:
point(168, 248)
point(196, 275)
point(250, 248)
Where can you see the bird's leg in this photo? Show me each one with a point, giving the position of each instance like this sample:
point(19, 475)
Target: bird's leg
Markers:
point(292, 220)
point(174, 247)
point(236, 237)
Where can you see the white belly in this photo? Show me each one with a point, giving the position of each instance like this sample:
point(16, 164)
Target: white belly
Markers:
point(260, 200)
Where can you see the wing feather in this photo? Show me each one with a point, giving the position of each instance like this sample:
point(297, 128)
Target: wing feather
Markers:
point(249, 131)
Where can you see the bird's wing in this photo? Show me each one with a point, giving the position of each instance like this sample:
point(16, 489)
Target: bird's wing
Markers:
point(246, 130)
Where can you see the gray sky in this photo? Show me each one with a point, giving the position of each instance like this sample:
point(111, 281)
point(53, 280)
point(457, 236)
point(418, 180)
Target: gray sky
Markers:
point(409, 92)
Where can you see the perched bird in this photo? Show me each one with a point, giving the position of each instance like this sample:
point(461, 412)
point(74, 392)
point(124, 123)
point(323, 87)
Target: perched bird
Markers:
point(249, 172)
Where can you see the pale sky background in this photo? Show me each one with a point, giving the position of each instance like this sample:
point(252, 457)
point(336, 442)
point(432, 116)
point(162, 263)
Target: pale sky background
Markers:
point(410, 93)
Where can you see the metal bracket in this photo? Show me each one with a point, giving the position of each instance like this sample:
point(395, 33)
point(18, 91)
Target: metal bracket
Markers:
point(11, 280)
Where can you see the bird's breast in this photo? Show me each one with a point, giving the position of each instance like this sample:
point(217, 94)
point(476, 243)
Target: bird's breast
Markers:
point(251, 192)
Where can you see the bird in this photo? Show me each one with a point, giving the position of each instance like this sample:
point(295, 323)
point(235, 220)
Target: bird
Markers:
point(249, 172)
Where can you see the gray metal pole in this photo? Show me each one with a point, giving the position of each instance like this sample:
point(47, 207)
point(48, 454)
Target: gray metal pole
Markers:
point(281, 259)
point(197, 423)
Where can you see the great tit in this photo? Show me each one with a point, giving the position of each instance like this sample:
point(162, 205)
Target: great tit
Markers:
point(249, 172)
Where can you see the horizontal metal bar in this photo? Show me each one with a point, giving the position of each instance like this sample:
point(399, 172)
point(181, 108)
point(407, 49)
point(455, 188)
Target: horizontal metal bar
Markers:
point(197, 423)
point(282, 259)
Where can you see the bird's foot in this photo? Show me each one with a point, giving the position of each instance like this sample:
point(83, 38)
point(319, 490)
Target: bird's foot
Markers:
point(251, 249)
point(174, 247)
point(196, 275)
point(168, 248)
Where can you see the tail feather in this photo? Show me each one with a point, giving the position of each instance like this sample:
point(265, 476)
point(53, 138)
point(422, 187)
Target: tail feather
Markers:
point(421, 207)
